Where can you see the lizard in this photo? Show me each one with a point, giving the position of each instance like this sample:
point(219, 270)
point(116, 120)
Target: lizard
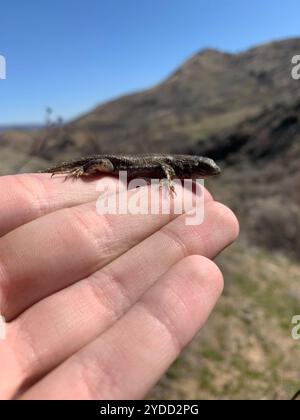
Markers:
point(156, 165)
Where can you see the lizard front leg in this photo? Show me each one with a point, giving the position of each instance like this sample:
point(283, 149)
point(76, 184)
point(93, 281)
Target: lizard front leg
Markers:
point(170, 175)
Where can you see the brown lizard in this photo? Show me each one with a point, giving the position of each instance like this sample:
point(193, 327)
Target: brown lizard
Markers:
point(157, 165)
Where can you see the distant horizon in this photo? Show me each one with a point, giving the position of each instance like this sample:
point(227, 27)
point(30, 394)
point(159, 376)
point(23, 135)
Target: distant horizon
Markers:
point(26, 126)
point(75, 56)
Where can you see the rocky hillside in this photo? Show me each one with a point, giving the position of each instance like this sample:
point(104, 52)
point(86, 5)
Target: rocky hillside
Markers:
point(261, 177)
point(209, 92)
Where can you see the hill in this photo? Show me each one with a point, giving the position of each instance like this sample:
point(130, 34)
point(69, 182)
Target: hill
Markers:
point(209, 93)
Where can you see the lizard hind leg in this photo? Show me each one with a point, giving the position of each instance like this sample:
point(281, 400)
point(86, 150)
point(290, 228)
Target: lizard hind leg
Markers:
point(75, 173)
point(69, 172)
point(79, 169)
point(98, 166)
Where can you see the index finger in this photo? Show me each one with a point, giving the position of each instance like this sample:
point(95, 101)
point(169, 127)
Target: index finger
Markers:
point(27, 197)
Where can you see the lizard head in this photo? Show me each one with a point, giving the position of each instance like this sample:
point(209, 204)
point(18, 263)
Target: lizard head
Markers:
point(205, 167)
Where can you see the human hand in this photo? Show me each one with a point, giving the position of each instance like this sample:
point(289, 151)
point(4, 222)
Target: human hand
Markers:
point(98, 306)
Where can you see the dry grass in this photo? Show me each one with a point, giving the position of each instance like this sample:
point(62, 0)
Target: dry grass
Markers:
point(245, 351)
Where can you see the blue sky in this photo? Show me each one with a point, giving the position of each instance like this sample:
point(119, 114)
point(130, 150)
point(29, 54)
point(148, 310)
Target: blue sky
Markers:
point(72, 55)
